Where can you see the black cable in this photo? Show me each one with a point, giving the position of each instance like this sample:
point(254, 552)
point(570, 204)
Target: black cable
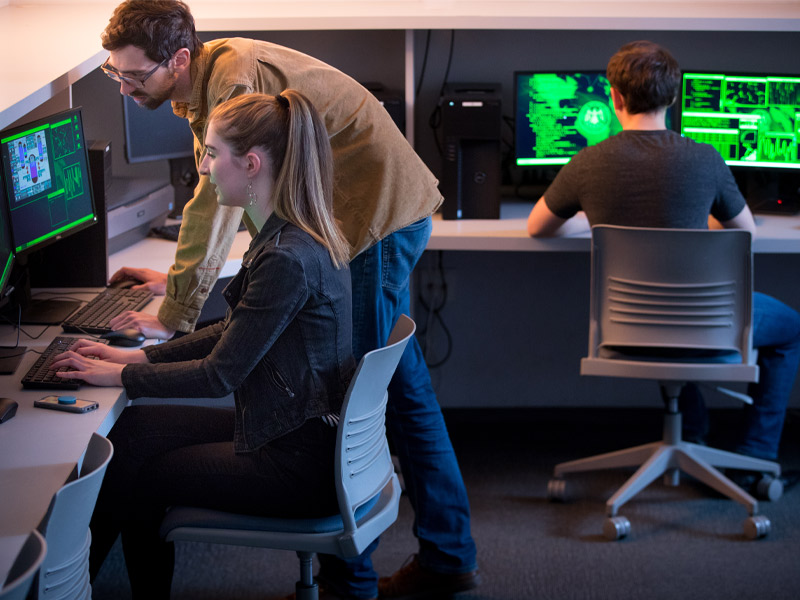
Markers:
point(18, 325)
point(434, 316)
point(436, 116)
point(424, 64)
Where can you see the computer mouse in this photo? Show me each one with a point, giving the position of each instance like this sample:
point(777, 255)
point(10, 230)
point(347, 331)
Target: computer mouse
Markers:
point(124, 337)
point(8, 408)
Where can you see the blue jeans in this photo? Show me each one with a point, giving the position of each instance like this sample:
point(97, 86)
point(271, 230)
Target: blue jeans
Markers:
point(414, 421)
point(776, 336)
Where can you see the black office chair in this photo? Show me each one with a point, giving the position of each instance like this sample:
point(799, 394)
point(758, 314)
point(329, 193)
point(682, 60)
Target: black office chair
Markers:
point(674, 306)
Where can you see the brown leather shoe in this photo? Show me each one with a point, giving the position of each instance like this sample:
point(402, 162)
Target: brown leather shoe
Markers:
point(414, 582)
point(326, 595)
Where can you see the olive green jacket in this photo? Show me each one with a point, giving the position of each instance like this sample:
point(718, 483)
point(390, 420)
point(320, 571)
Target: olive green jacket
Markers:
point(381, 183)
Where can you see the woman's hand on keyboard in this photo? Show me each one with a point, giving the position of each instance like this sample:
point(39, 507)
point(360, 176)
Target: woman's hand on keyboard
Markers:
point(93, 350)
point(92, 371)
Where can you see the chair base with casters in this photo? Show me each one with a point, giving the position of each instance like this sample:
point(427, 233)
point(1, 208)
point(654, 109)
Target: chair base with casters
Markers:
point(669, 457)
point(367, 488)
point(673, 306)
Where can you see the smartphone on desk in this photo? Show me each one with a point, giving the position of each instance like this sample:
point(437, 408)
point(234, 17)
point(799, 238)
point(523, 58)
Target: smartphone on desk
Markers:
point(66, 403)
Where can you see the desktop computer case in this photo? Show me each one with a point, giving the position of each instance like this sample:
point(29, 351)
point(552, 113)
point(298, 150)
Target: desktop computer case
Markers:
point(471, 171)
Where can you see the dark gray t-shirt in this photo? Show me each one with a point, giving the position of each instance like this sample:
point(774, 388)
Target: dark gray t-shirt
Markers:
point(646, 179)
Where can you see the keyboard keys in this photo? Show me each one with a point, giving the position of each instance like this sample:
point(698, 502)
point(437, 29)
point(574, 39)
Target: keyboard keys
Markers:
point(94, 318)
point(40, 376)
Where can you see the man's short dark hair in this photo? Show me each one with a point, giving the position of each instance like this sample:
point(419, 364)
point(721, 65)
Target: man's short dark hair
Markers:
point(159, 27)
point(646, 75)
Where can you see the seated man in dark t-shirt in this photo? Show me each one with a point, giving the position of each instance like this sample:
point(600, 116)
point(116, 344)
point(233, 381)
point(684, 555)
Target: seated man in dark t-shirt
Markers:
point(648, 176)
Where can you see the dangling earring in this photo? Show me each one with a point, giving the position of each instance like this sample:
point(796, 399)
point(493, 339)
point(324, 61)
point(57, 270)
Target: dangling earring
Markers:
point(251, 194)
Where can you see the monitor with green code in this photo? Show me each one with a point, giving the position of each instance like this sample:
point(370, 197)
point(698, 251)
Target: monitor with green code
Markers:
point(559, 113)
point(752, 120)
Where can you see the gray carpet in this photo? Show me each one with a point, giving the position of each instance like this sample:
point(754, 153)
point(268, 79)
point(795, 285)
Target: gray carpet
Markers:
point(686, 542)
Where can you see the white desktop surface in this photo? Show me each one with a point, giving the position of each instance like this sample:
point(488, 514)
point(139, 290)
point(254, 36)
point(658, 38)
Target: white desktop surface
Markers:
point(39, 448)
point(777, 234)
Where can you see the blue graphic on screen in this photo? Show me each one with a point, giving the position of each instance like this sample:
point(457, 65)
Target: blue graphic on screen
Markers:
point(560, 113)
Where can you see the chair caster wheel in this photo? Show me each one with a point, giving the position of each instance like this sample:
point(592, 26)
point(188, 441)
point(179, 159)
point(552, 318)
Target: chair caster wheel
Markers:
point(756, 527)
point(616, 528)
point(769, 488)
point(557, 490)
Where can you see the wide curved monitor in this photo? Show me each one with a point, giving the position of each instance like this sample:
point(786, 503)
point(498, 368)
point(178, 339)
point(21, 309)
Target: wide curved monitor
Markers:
point(752, 120)
point(558, 113)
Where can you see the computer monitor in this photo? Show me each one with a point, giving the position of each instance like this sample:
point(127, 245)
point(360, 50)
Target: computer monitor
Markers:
point(48, 196)
point(752, 120)
point(558, 113)
point(155, 134)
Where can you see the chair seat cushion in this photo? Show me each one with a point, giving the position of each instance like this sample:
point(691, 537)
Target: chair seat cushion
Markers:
point(189, 516)
point(674, 355)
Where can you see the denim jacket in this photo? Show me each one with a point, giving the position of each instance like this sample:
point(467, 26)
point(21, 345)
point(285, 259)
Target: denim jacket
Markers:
point(284, 349)
point(381, 183)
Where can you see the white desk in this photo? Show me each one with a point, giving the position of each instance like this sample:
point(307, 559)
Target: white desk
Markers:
point(776, 234)
point(40, 448)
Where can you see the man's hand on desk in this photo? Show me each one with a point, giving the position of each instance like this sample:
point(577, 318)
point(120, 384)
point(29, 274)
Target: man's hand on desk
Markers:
point(150, 280)
point(149, 325)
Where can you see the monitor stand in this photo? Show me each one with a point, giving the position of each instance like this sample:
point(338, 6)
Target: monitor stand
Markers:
point(48, 311)
point(771, 191)
point(10, 359)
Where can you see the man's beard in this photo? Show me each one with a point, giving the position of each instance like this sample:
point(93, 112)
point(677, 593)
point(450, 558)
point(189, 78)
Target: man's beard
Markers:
point(153, 101)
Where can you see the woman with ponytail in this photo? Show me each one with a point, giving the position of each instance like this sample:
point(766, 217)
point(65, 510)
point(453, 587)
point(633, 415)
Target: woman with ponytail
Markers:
point(283, 350)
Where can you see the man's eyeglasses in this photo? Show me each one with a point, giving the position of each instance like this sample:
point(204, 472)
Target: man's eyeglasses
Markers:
point(136, 82)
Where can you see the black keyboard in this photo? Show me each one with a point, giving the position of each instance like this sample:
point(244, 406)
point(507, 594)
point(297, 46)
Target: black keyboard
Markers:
point(94, 317)
point(40, 376)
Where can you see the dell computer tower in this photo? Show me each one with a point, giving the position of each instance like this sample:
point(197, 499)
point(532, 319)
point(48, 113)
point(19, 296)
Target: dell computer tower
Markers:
point(471, 171)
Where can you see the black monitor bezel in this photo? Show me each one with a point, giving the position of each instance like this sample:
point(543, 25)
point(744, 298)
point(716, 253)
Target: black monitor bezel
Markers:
point(733, 165)
point(552, 163)
point(88, 222)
